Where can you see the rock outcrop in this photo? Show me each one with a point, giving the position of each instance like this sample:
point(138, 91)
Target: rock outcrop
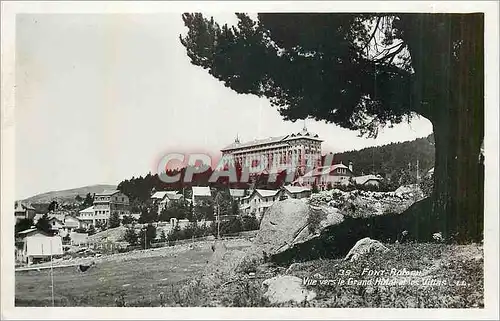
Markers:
point(364, 247)
point(291, 222)
point(286, 288)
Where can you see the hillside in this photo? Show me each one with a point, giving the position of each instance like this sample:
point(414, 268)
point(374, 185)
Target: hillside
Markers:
point(392, 160)
point(68, 195)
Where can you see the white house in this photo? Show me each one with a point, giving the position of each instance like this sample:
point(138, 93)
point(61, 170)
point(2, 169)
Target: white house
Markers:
point(56, 224)
point(108, 203)
point(158, 196)
point(258, 201)
point(71, 223)
point(236, 193)
point(324, 175)
point(22, 211)
point(200, 193)
point(296, 191)
point(38, 245)
point(166, 198)
point(87, 217)
point(368, 180)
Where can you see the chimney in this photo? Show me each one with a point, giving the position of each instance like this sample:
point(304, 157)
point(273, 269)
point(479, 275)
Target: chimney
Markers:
point(350, 166)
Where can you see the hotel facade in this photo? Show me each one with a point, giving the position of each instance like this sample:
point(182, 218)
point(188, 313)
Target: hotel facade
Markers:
point(300, 149)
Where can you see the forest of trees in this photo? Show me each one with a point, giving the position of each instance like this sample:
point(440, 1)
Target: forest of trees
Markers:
point(393, 161)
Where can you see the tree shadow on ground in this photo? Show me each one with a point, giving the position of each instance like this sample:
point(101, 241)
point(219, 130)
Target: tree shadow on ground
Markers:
point(336, 241)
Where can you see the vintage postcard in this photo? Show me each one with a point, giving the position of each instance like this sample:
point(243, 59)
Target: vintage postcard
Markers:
point(320, 160)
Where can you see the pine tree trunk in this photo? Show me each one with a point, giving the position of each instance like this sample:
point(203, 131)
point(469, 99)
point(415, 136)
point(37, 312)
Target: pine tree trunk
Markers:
point(458, 132)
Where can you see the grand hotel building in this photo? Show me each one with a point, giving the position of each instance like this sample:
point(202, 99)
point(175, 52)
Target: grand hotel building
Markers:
point(302, 148)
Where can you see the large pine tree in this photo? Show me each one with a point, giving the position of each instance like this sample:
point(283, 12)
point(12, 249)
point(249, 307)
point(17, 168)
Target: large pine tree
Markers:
point(364, 71)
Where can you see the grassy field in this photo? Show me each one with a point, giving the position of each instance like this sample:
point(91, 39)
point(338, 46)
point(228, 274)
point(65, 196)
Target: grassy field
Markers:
point(133, 281)
point(159, 281)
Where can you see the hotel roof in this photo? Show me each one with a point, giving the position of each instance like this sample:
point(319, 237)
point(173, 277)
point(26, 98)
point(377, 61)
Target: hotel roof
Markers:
point(273, 140)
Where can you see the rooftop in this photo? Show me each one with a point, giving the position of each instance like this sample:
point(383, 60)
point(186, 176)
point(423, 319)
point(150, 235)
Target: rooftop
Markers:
point(107, 193)
point(237, 192)
point(296, 189)
point(267, 192)
point(88, 209)
point(304, 133)
point(365, 178)
point(324, 170)
point(159, 195)
point(201, 191)
point(23, 207)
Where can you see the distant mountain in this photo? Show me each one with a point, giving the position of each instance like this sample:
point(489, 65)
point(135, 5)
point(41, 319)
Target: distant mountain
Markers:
point(67, 195)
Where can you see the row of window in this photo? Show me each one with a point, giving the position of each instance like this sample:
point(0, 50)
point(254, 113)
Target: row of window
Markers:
point(101, 212)
point(106, 198)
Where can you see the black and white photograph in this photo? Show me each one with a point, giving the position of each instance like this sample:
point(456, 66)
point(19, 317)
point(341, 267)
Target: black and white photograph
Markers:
point(250, 155)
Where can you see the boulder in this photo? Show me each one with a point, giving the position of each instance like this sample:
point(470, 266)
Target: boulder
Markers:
point(290, 222)
point(286, 288)
point(363, 247)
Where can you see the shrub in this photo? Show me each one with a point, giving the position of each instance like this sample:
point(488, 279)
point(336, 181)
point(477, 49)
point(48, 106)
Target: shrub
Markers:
point(127, 219)
point(250, 223)
point(91, 230)
point(314, 220)
point(163, 237)
point(147, 235)
point(66, 239)
point(248, 294)
point(249, 264)
point(427, 185)
point(114, 220)
point(130, 236)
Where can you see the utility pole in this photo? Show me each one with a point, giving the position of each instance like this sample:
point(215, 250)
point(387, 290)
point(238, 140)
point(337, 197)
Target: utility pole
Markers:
point(218, 220)
point(417, 173)
point(51, 272)
point(217, 205)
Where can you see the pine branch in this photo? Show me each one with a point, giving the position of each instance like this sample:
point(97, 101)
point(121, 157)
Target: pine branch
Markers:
point(373, 33)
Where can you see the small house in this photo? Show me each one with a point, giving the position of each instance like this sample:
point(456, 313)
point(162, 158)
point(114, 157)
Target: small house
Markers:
point(323, 176)
point(38, 245)
point(259, 201)
point(22, 211)
point(168, 198)
point(368, 180)
point(296, 191)
point(200, 193)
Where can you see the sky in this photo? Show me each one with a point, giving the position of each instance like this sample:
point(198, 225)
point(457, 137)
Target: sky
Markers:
point(101, 98)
